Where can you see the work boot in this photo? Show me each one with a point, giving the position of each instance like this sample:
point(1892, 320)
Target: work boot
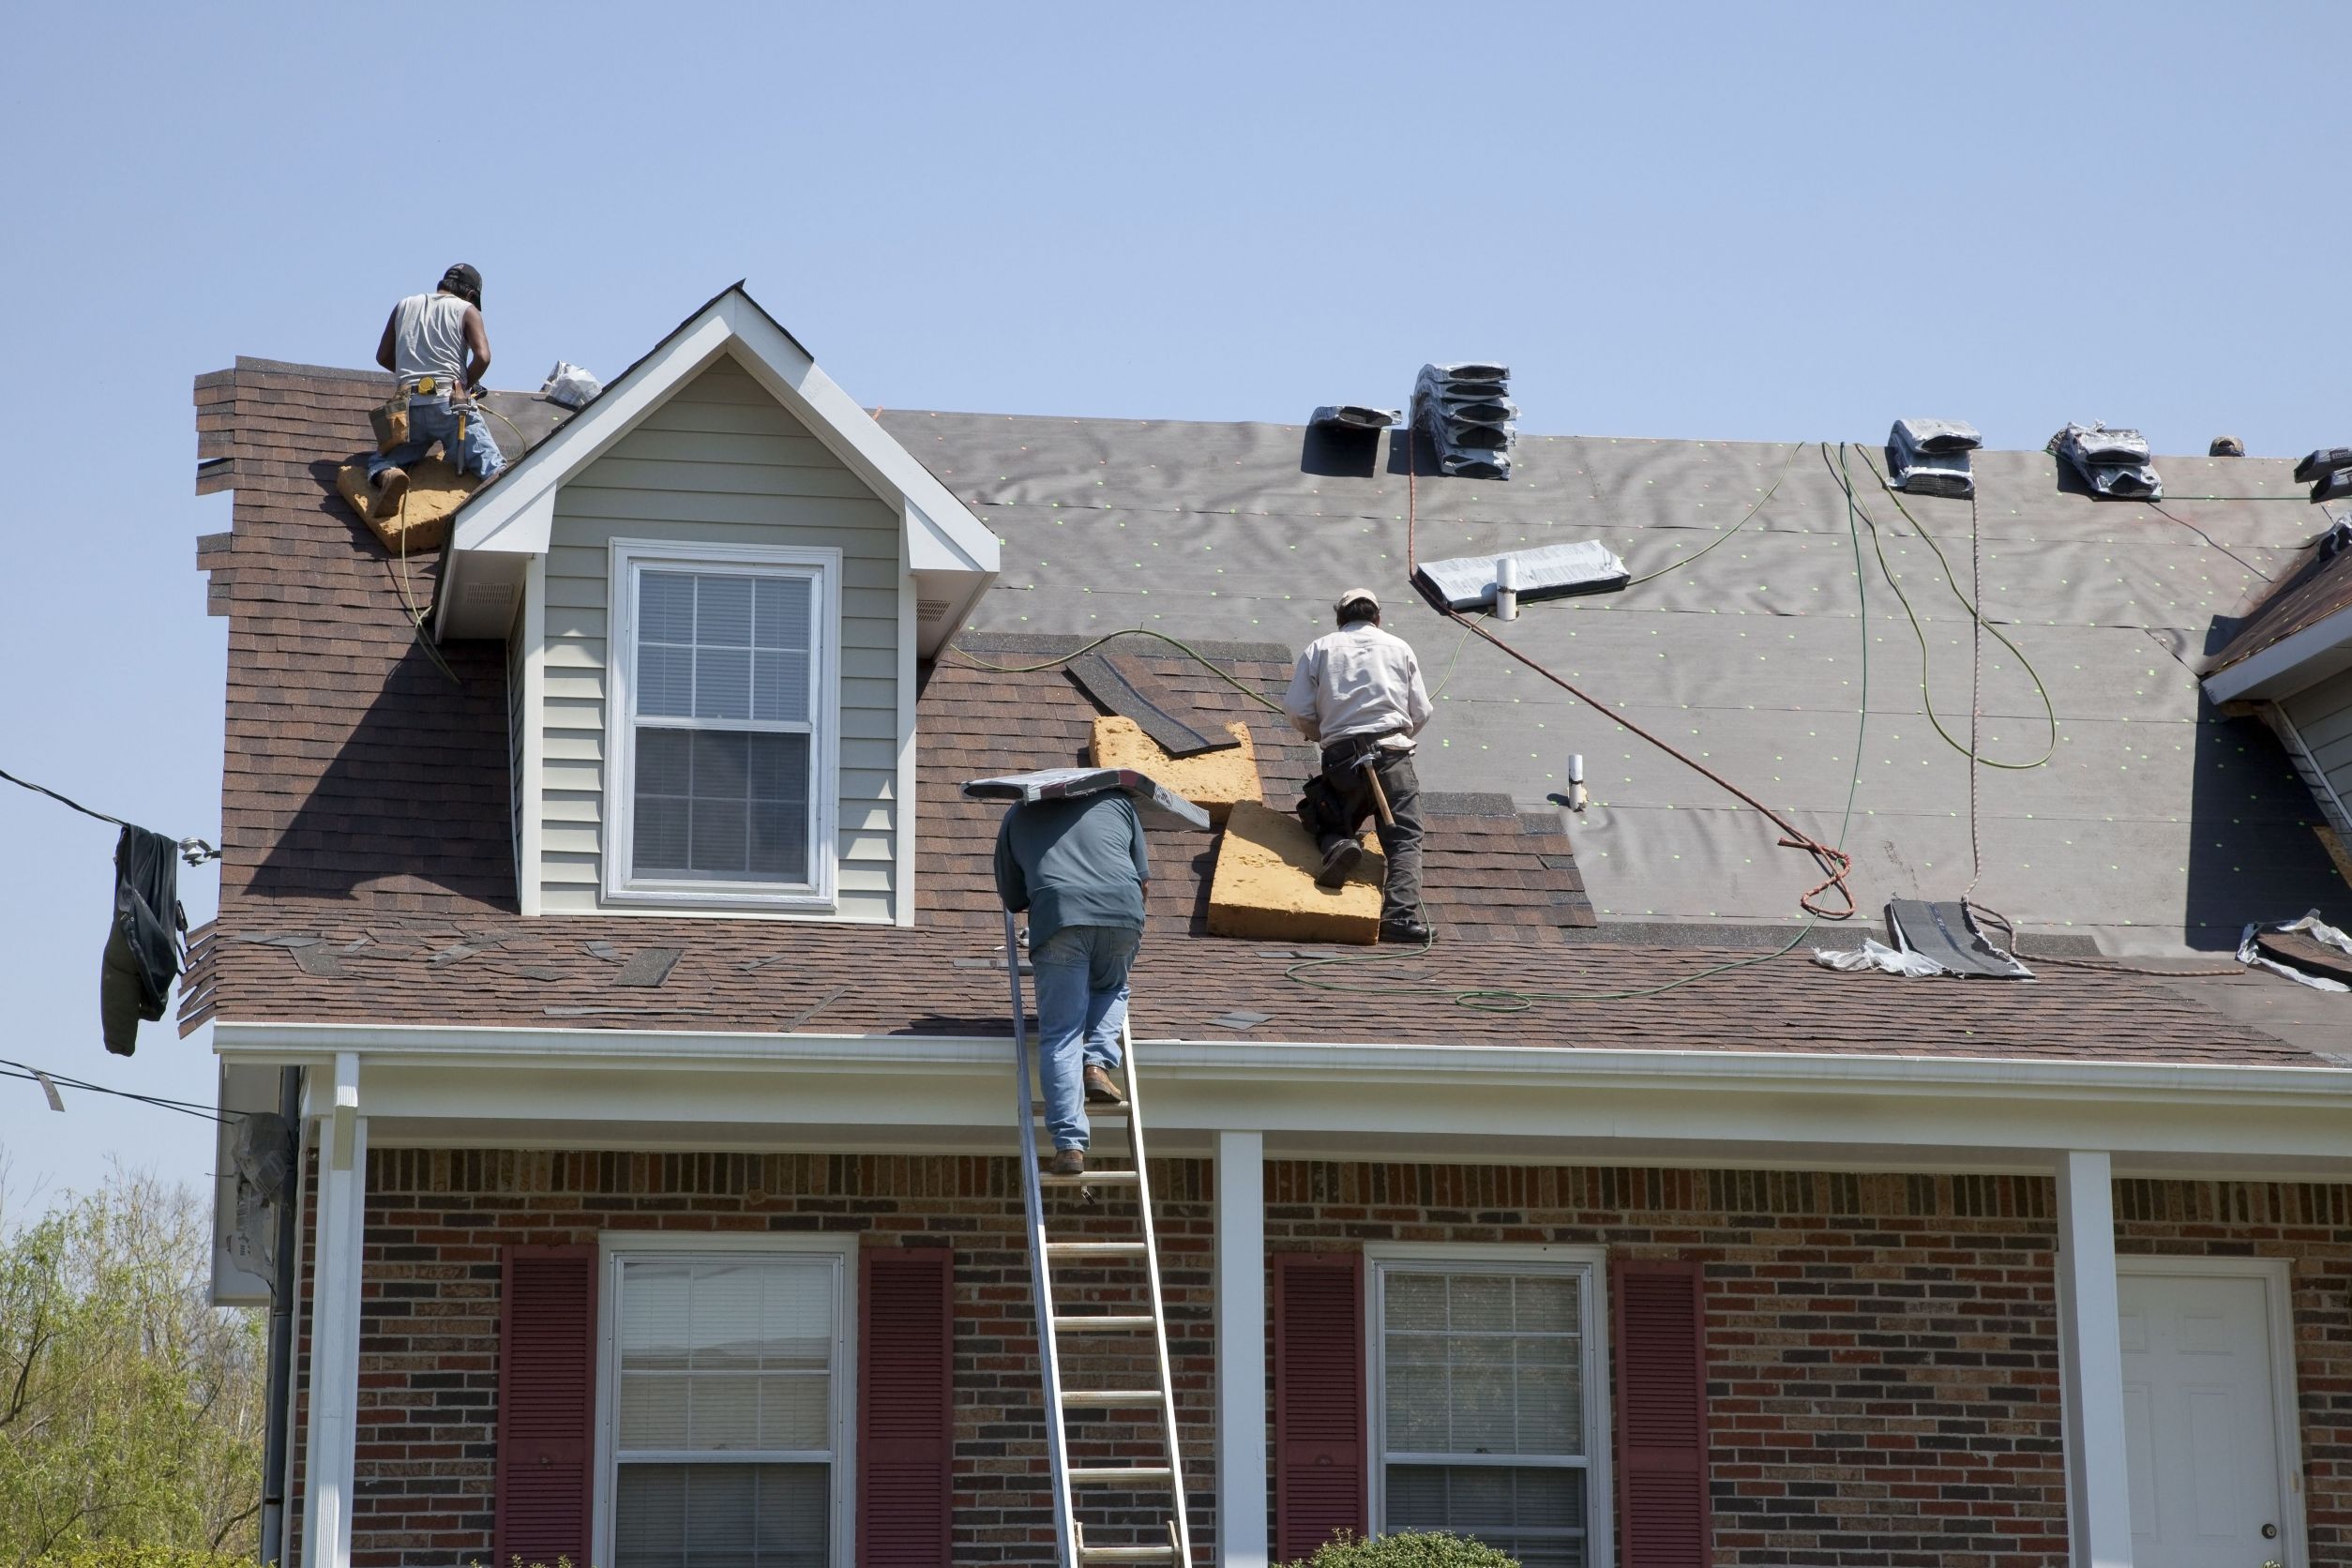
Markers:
point(1067, 1162)
point(1100, 1089)
point(1408, 928)
point(1338, 861)
point(391, 490)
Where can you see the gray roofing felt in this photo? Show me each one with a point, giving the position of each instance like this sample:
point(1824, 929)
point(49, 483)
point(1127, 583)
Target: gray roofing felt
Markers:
point(2154, 823)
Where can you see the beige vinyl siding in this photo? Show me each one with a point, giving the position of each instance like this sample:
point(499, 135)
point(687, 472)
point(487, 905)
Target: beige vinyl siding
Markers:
point(721, 462)
point(2322, 717)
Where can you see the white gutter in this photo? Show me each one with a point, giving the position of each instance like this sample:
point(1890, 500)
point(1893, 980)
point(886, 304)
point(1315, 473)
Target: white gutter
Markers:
point(1324, 1062)
point(2270, 673)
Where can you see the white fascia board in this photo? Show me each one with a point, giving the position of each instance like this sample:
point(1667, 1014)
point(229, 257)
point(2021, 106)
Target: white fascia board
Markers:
point(2287, 666)
point(518, 512)
point(1316, 1060)
point(852, 434)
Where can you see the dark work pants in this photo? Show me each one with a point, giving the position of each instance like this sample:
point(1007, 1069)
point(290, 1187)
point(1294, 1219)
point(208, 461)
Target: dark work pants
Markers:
point(1339, 810)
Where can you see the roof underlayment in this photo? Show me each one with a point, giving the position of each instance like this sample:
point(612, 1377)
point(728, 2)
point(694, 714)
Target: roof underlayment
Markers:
point(2154, 821)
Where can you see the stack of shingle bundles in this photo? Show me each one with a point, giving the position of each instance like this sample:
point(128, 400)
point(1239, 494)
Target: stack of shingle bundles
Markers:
point(1930, 457)
point(2328, 471)
point(1467, 412)
point(2113, 464)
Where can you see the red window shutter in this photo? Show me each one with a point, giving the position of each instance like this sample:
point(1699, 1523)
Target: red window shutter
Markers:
point(1320, 1455)
point(1660, 1333)
point(906, 1371)
point(547, 1399)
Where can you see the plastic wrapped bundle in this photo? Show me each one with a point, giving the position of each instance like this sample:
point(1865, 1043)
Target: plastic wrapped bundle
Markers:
point(2113, 464)
point(1930, 457)
point(1352, 416)
point(1467, 414)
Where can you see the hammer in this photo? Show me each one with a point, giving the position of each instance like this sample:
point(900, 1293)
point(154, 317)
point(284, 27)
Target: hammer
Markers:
point(1380, 796)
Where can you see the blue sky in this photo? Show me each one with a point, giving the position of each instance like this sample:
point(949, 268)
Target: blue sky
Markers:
point(1708, 220)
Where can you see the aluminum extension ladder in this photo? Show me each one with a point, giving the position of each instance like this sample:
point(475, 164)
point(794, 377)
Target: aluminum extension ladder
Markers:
point(1045, 1253)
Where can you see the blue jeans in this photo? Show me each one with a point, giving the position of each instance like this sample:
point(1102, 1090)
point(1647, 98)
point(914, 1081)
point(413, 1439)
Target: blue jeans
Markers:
point(430, 420)
point(1081, 975)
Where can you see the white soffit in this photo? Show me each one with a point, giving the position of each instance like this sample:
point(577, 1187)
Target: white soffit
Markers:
point(513, 517)
point(2287, 666)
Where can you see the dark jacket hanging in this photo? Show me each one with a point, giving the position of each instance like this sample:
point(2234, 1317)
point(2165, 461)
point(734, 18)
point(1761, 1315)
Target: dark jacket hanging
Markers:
point(142, 944)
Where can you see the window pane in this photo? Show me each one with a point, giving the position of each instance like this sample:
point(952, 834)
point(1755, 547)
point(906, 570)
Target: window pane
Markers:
point(665, 607)
point(1415, 1301)
point(783, 612)
point(1536, 1515)
point(727, 1353)
point(659, 837)
point(780, 687)
point(722, 611)
point(665, 681)
point(723, 1516)
point(722, 788)
point(722, 683)
point(780, 807)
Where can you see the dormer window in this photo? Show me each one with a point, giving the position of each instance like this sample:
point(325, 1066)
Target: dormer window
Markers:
point(720, 735)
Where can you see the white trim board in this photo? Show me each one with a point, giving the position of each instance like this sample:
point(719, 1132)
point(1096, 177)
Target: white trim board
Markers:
point(2287, 666)
point(514, 516)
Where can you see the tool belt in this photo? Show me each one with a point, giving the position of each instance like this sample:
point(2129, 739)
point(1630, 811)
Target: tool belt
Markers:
point(1352, 752)
point(390, 422)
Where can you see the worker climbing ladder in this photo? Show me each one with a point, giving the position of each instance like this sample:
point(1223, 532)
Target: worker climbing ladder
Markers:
point(1163, 1467)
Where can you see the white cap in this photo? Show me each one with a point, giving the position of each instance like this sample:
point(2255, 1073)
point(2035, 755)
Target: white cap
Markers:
point(1355, 595)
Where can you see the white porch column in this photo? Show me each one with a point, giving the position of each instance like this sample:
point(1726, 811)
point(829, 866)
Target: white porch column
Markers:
point(332, 1444)
point(1241, 1318)
point(2090, 1361)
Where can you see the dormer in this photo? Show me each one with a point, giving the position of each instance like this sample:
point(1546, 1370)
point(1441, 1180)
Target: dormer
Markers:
point(714, 584)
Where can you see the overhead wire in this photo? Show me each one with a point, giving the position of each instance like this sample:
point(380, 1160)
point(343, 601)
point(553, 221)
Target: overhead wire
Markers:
point(2208, 538)
point(195, 852)
point(161, 1102)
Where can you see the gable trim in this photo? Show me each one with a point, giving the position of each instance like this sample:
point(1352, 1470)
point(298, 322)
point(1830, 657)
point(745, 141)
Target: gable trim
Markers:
point(515, 514)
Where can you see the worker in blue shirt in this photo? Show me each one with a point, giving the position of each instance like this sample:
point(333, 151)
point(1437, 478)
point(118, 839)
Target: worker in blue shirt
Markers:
point(1079, 868)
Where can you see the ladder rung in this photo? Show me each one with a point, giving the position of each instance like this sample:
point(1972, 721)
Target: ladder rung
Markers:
point(1127, 1554)
point(1094, 1112)
point(1122, 1475)
point(1093, 1249)
point(1116, 1323)
point(1092, 1179)
point(1110, 1398)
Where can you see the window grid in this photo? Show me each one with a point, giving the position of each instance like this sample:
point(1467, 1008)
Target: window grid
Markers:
point(750, 1506)
point(1436, 1489)
point(721, 726)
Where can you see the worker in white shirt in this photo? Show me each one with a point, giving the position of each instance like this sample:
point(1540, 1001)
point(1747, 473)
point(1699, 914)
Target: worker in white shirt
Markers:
point(438, 348)
point(1358, 692)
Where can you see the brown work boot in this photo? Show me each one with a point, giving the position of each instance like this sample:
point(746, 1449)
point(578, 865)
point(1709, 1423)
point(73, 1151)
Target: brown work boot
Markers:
point(391, 490)
point(1339, 862)
point(1100, 1089)
point(1067, 1162)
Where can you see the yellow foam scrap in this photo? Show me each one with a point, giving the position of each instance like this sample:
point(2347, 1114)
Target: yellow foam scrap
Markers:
point(1213, 781)
point(435, 491)
point(1264, 884)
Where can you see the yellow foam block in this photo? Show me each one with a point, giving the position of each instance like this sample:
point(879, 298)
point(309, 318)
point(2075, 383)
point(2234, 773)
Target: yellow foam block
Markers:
point(435, 491)
point(1264, 884)
point(1213, 781)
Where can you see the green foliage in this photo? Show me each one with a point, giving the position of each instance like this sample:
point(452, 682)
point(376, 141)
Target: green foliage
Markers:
point(1410, 1550)
point(130, 1409)
point(125, 1554)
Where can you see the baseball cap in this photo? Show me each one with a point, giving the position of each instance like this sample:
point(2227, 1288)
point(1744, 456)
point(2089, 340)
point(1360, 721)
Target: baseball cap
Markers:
point(1355, 595)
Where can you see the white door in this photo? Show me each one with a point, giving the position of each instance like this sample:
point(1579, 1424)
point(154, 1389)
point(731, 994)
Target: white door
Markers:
point(2201, 1422)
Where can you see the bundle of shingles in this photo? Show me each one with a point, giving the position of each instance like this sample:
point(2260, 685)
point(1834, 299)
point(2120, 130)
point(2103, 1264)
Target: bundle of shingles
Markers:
point(2114, 464)
point(2328, 471)
point(1930, 457)
point(1466, 414)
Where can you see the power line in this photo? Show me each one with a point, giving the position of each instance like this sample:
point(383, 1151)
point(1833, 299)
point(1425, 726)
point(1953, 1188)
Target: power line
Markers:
point(51, 1082)
point(193, 850)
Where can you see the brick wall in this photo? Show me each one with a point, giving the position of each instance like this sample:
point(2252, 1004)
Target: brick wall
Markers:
point(1882, 1349)
point(428, 1330)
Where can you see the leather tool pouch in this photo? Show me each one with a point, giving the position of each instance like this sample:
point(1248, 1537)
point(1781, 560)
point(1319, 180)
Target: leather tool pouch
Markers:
point(390, 422)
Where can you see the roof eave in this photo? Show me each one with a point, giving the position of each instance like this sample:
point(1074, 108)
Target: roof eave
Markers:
point(2322, 649)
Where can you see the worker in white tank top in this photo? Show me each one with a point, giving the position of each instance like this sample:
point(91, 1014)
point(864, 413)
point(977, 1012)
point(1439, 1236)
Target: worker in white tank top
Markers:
point(437, 347)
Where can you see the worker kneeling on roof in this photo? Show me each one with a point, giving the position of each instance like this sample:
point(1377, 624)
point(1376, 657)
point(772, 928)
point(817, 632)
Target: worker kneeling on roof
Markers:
point(1079, 868)
point(438, 349)
point(1358, 691)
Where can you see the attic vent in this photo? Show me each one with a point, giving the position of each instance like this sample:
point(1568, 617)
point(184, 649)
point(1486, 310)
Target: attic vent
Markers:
point(1930, 457)
point(1353, 417)
point(1467, 414)
point(2111, 462)
point(932, 610)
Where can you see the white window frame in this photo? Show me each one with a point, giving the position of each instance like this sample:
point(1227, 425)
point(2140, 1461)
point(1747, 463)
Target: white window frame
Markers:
point(1589, 1266)
point(629, 559)
point(619, 1246)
